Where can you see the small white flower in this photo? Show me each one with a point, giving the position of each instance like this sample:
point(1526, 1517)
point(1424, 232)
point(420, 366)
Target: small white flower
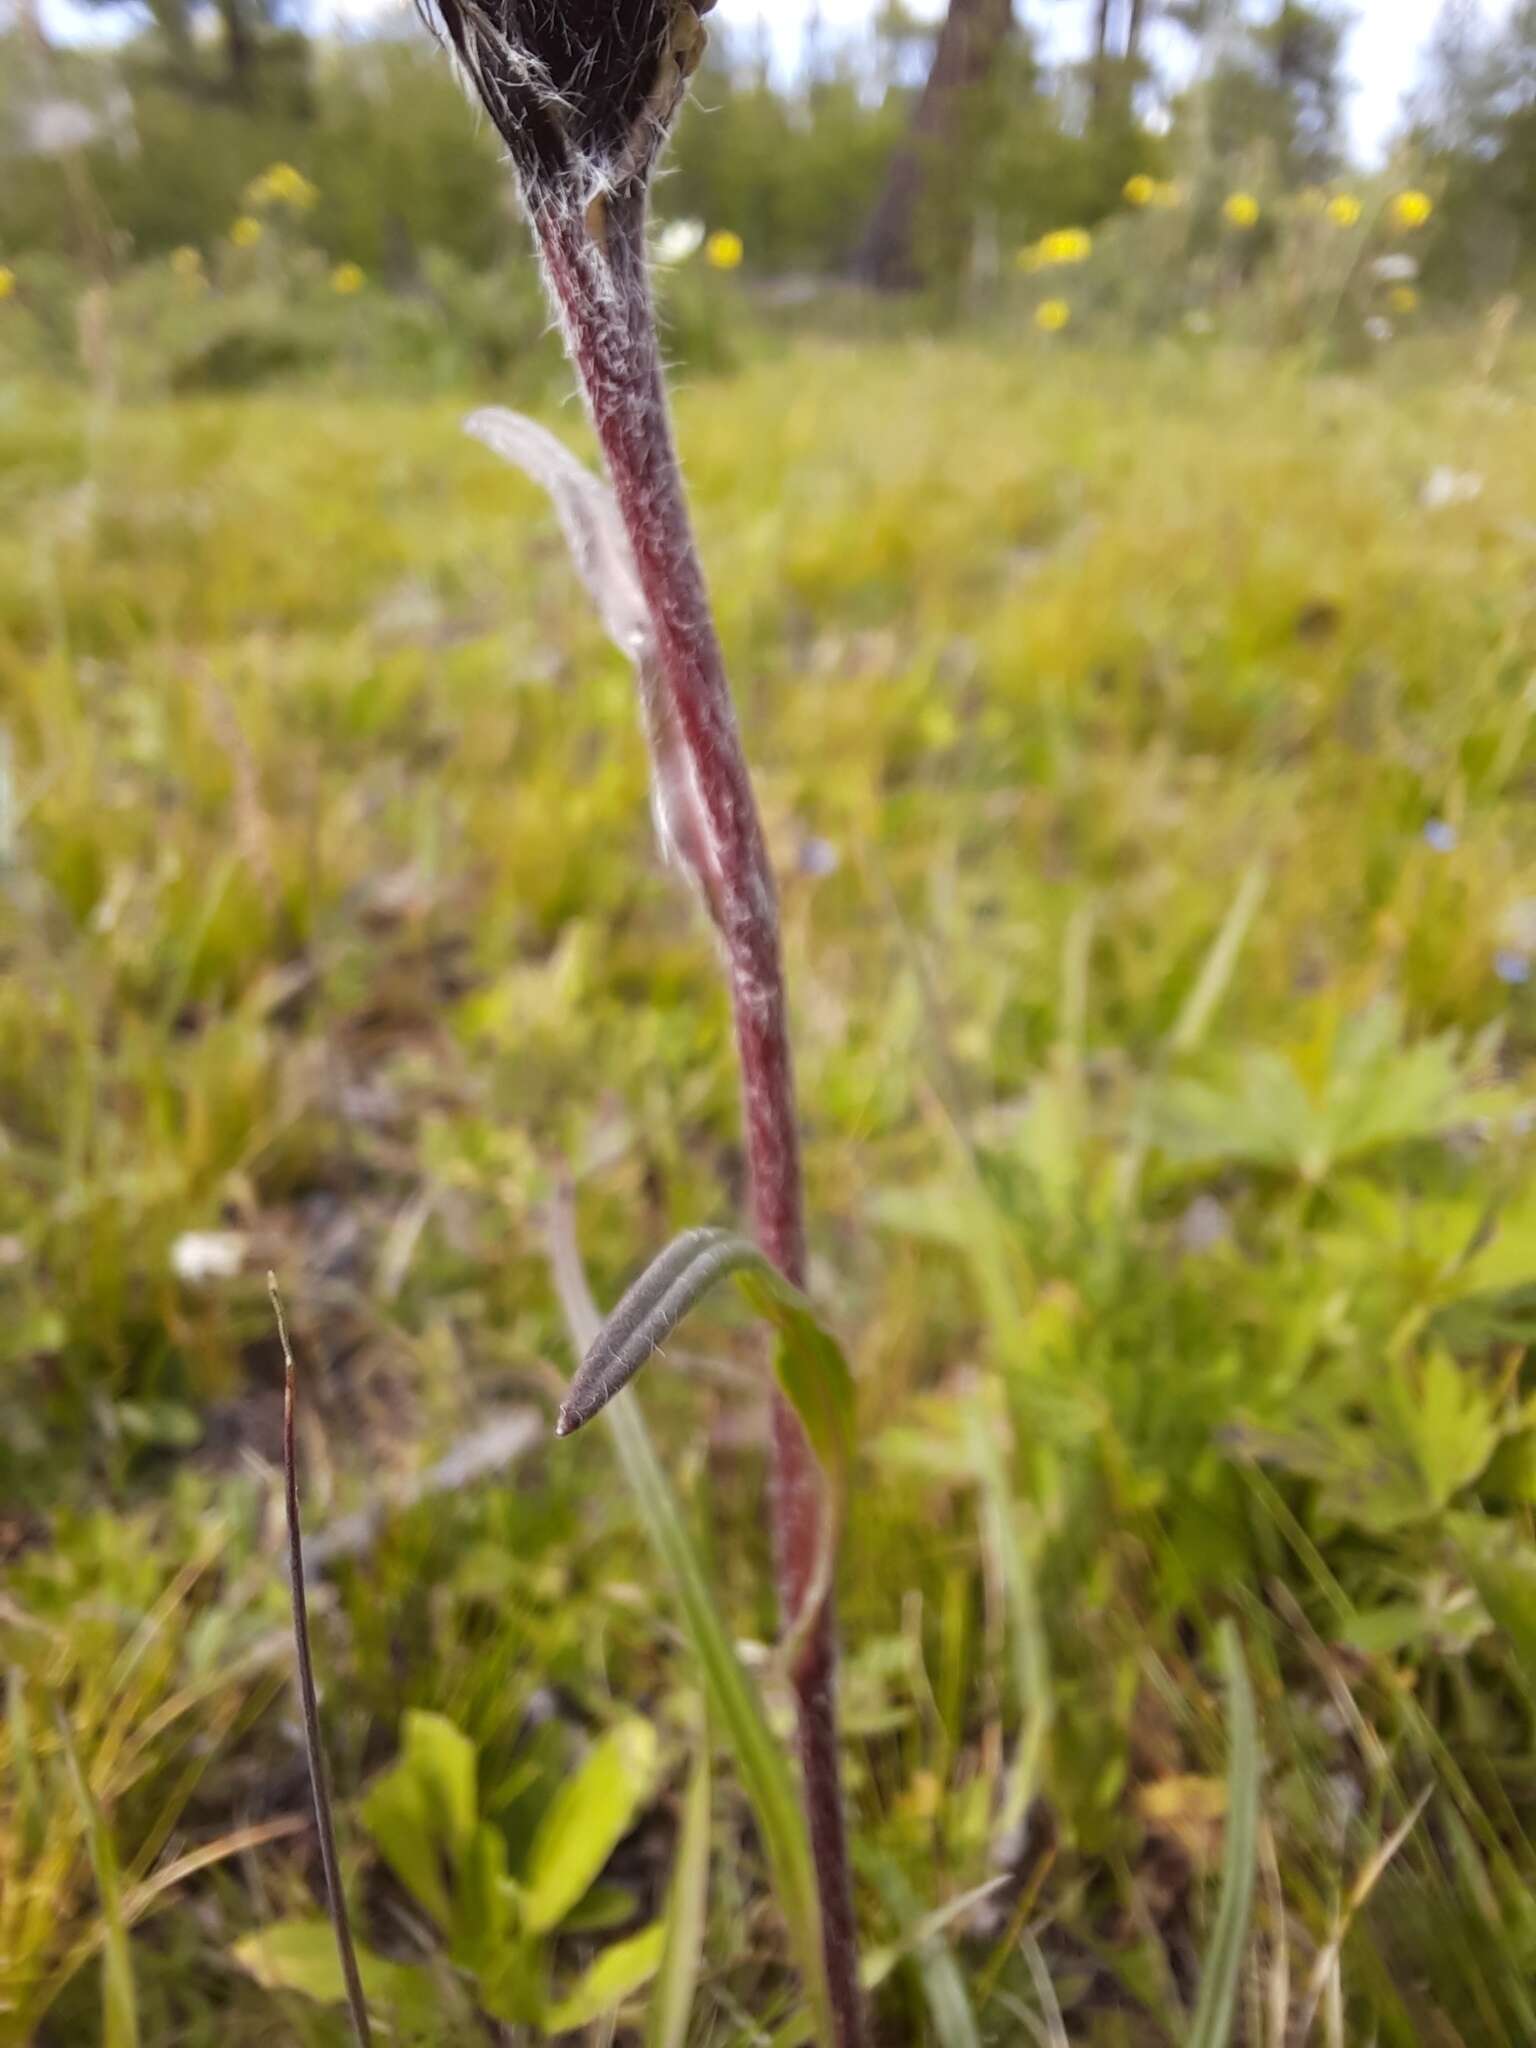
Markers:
point(1446, 486)
point(679, 240)
point(1205, 1226)
point(1378, 329)
point(198, 1256)
point(1398, 269)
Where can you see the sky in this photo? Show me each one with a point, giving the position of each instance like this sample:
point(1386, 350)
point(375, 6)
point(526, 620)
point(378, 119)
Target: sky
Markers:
point(1383, 50)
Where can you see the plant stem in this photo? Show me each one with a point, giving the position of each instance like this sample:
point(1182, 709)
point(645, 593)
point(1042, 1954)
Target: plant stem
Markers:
point(597, 272)
point(314, 1747)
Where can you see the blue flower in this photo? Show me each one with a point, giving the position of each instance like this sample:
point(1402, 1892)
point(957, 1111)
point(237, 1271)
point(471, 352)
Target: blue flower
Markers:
point(1511, 967)
point(1440, 836)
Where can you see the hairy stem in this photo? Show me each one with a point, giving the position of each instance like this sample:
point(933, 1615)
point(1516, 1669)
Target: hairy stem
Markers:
point(595, 261)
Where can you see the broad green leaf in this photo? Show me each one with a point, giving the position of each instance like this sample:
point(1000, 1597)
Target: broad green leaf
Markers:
point(119, 2001)
point(484, 1900)
point(1353, 1090)
point(618, 1973)
point(605, 1907)
point(585, 1821)
point(671, 2004)
point(421, 1812)
point(300, 1955)
point(1498, 1559)
point(1221, 1977)
point(1449, 1422)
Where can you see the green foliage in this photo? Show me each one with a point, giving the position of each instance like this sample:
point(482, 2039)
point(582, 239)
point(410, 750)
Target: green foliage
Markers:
point(1215, 2015)
point(1102, 712)
point(671, 2003)
point(424, 1817)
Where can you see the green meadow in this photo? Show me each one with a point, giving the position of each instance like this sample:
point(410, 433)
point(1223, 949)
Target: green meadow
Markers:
point(1147, 747)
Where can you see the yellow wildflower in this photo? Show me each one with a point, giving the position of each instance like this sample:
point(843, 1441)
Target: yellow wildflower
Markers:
point(724, 250)
point(1241, 210)
point(1404, 299)
point(1051, 315)
point(7, 281)
point(1344, 209)
point(245, 233)
point(282, 185)
point(347, 278)
point(1140, 190)
point(1411, 209)
point(1066, 245)
point(187, 261)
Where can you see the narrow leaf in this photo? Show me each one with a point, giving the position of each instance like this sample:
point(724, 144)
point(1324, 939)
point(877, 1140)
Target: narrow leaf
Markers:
point(733, 1698)
point(810, 1365)
point(948, 2001)
point(600, 552)
point(671, 2006)
point(1214, 2015)
point(119, 2002)
point(646, 1316)
point(1026, 1630)
point(734, 1701)
point(1216, 971)
point(588, 517)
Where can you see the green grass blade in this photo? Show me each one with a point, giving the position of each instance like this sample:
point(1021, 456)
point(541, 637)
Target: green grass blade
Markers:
point(948, 2001)
point(666, 2022)
point(119, 2002)
point(733, 1698)
point(1026, 1630)
point(1216, 970)
point(765, 1772)
point(1214, 2015)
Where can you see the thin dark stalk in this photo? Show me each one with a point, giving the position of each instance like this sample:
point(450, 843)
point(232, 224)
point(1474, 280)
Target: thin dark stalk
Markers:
point(314, 1749)
point(602, 290)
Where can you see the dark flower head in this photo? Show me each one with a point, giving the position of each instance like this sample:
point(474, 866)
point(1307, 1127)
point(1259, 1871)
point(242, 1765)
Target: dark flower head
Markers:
point(582, 91)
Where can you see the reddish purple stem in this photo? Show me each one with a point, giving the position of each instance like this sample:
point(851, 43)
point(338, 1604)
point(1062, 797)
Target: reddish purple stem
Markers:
point(603, 293)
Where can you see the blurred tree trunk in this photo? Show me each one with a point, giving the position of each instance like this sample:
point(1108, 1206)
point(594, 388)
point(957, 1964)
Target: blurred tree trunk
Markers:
point(1116, 54)
point(171, 19)
point(969, 45)
point(239, 49)
point(1098, 72)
